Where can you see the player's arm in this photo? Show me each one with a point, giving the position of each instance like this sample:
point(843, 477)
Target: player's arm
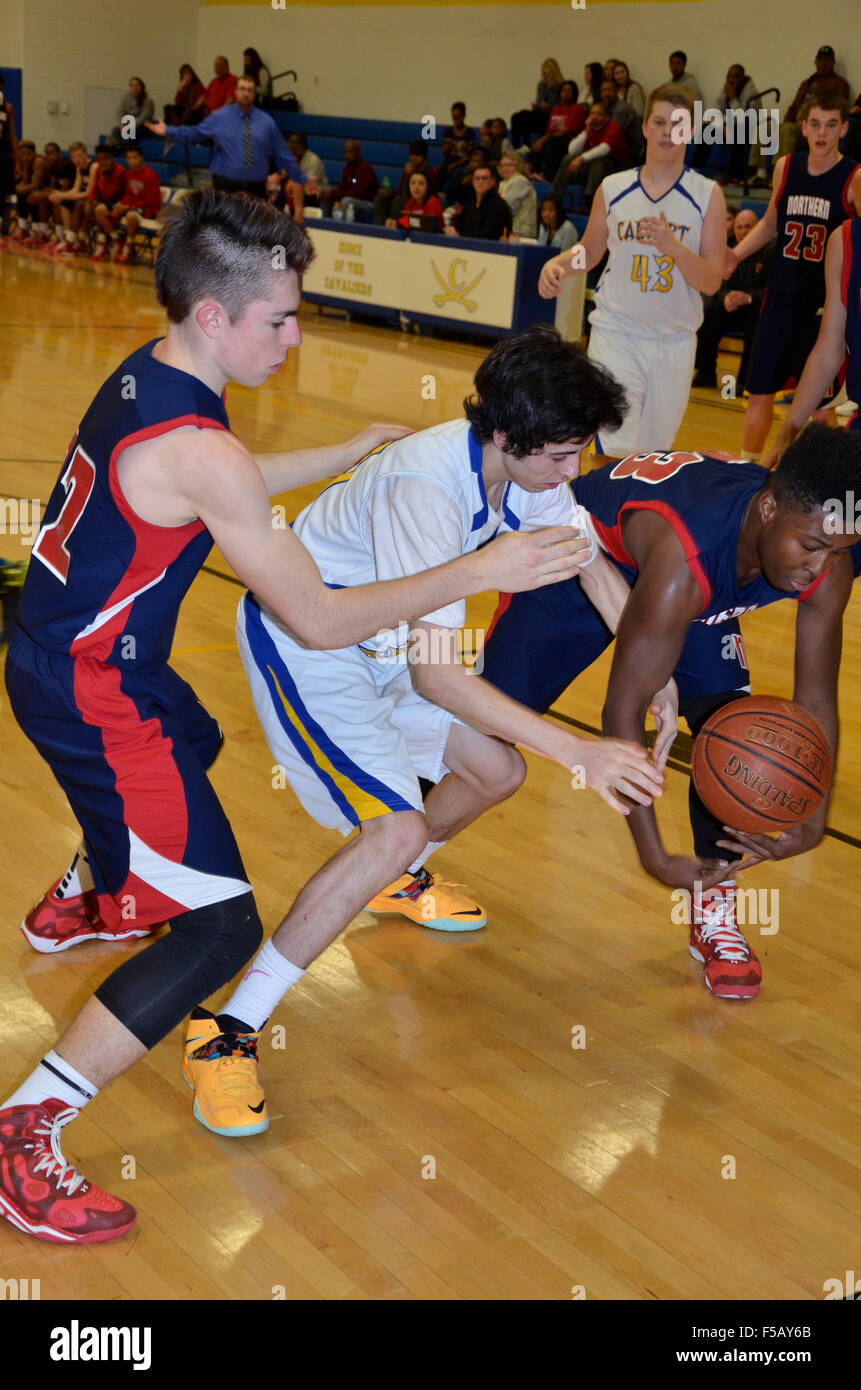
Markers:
point(765, 230)
point(664, 601)
point(827, 356)
point(607, 765)
point(580, 257)
point(702, 270)
point(818, 645)
point(221, 484)
point(300, 467)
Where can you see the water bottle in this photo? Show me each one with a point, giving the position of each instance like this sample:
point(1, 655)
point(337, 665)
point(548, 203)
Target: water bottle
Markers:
point(351, 212)
point(337, 212)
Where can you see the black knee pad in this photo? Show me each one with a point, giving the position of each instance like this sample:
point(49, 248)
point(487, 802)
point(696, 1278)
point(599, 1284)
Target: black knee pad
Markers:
point(204, 948)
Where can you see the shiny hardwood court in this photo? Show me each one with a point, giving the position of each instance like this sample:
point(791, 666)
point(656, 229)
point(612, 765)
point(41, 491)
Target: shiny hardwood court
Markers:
point(434, 1133)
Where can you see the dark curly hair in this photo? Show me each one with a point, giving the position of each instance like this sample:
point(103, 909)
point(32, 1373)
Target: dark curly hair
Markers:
point(538, 389)
point(820, 466)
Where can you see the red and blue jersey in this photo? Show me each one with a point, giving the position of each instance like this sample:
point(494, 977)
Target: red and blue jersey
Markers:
point(100, 575)
point(704, 499)
point(809, 208)
point(850, 291)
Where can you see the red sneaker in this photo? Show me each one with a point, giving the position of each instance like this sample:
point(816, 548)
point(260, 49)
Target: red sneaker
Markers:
point(125, 256)
point(732, 969)
point(43, 1195)
point(55, 924)
point(101, 253)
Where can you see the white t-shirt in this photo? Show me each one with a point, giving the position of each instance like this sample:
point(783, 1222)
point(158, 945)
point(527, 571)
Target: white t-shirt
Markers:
point(416, 503)
point(641, 292)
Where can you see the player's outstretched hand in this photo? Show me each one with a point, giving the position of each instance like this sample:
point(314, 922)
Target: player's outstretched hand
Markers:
point(371, 437)
point(796, 840)
point(520, 560)
point(782, 441)
point(691, 871)
point(665, 708)
point(157, 127)
point(612, 767)
point(552, 277)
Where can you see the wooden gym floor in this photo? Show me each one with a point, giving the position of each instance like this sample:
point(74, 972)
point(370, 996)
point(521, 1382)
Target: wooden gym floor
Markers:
point(405, 1053)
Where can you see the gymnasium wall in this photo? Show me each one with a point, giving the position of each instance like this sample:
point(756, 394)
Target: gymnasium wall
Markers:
point(11, 33)
point(403, 61)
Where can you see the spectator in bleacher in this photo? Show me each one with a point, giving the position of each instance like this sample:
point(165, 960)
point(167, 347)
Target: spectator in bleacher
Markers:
point(824, 79)
point(485, 214)
point(187, 105)
point(137, 104)
point(734, 308)
point(593, 76)
point(8, 153)
point(419, 201)
point(629, 91)
point(494, 140)
point(681, 77)
point(458, 142)
point(555, 229)
point(851, 142)
point(107, 186)
point(244, 139)
point(626, 119)
point(416, 163)
point(610, 68)
point(39, 199)
point(519, 193)
point(142, 199)
point(69, 201)
point(311, 164)
point(461, 180)
point(255, 68)
point(221, 90)
point(597, 151)
point(735, 95)
point(357, 186)
point(525, 124)
point(566, 120)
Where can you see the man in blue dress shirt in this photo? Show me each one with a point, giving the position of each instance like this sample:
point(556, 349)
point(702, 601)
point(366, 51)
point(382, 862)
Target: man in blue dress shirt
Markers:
point(244, 137)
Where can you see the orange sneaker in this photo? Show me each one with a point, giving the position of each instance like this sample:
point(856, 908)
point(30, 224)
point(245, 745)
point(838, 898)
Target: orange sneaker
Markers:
point(429, 902)
point(55, 924)
point(221, 1069)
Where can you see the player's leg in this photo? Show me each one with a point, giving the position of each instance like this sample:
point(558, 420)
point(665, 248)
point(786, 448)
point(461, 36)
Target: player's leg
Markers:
point(126, 255)
point(626, 359)
point(669, 365)
point(104, 233)
point(757, 423)
point(768, 370)
point(712, 672)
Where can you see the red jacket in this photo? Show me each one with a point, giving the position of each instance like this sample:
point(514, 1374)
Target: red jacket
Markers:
point(567, 120)
point(143, 191)
point(110, 187)
point(611, 135)
point(357, 181)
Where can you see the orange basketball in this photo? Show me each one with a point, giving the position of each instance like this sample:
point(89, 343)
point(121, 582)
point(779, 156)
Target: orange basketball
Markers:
point(761, 764)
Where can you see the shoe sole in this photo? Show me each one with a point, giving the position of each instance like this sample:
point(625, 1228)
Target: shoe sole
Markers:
point(51, 948)
point(56, 1237)
point(240, 1132)
point(751, 990)
point(439, 924)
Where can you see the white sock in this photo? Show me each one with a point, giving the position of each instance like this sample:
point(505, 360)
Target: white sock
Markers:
point(77, 879)
point(41, 227)
point(54, 1077)
point(264, 985)
point(425, 854)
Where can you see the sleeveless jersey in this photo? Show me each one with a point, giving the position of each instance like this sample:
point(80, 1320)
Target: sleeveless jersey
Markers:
point(808, 209)
point(102, 582)
point(850, 292)
point(641, 292)
point(704, 500)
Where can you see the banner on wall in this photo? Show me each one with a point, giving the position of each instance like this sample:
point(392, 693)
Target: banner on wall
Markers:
point(442, 279)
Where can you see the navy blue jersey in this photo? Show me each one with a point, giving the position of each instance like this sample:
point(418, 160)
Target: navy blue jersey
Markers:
point(809, 208)
point(100, 575)
point(704, 500)
point(850, 292)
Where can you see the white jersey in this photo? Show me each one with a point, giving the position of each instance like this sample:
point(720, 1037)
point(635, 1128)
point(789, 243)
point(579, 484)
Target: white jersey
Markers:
point(641, 293)
point(413, 504)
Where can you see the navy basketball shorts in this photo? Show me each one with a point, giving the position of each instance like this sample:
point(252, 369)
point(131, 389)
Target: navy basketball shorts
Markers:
point(786, 332)
point(130, 749)
point(541, 641)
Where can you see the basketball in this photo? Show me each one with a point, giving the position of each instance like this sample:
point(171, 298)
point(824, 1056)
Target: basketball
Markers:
point(761, 764)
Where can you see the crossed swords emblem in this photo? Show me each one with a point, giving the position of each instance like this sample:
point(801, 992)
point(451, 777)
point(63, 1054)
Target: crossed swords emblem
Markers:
point(453, 291)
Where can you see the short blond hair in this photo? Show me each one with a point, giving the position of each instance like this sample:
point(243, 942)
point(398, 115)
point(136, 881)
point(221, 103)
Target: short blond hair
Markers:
point(674, 94)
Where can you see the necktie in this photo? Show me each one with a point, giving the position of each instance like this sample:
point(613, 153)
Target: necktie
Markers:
point(247, 151)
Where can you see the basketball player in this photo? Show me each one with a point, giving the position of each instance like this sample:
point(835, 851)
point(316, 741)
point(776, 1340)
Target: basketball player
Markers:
point(813, 193)
point(839, 338)
point(152, 478)
point(354, 729)
point(703, 540)
point(664, 228)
